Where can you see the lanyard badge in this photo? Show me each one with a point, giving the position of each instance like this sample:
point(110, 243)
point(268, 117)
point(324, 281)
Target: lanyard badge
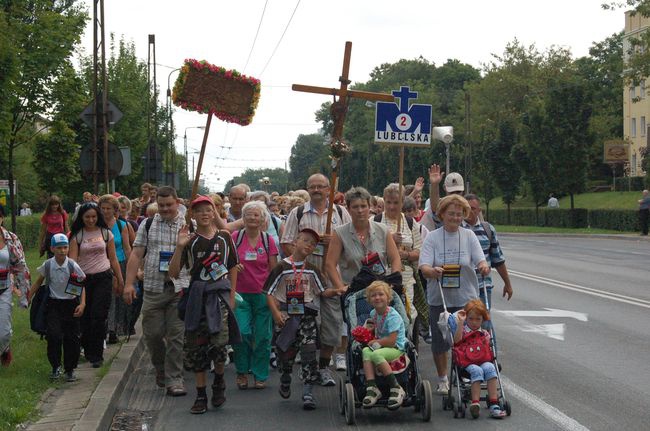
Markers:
point(373, 262)
point(212, 266)
point(163, 260)
point(74, 286)
point(451, 276)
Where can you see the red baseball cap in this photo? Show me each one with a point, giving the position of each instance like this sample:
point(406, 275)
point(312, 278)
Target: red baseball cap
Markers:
point(201, 199)
point(311, 232)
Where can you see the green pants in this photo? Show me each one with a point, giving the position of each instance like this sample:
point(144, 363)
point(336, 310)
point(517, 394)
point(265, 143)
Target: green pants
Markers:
point(385, 354)
point(254, 320)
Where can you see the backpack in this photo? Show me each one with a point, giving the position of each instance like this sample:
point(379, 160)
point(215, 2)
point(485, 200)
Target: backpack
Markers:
point(474, 348)
point(409, 220)
point(265, 241)
point(38, 309)
point(488, 231)
point(301, 210)
point(79, 236)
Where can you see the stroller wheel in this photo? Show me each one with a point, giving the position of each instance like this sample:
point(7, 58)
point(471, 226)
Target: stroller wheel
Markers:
point(341, 387)
point(507, 408)
point(426, 400)
point(349, 404)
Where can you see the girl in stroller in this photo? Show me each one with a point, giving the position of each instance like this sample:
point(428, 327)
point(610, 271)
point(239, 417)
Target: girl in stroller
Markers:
point(389, 344)
point(466, 324)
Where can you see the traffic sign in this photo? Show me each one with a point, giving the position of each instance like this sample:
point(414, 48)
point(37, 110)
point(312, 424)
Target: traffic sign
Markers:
point(114, 114)
point(403, 124)
point(115, 160)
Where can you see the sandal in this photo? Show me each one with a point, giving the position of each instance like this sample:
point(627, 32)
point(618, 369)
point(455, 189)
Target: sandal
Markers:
point(242, 381)
point(200, 406)
point(260, 384)
point(218, 392)
point(372, 396)
point(396, 398)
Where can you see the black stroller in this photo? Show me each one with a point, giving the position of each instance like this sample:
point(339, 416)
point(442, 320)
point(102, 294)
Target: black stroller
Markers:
point(356, 311)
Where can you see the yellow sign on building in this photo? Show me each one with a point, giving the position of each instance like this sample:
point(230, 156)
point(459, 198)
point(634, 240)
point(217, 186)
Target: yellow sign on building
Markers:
point(616, 151)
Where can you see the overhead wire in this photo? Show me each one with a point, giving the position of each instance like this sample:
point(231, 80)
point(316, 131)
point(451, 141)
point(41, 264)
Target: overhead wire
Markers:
point(281, 37)
point(259, 25)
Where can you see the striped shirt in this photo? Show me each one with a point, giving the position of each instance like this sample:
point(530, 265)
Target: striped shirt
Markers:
point(491, 250)
point(312, 220)
point(282, 278)
point(162, 236)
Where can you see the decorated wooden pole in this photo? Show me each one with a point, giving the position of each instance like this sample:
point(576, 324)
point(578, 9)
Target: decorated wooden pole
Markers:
point(339, 148)
point(213, 90)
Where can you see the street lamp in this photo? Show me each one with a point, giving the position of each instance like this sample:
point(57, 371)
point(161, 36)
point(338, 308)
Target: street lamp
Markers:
point(446, 135)
point(170, 130)
point(265, 182)
point(187, 171)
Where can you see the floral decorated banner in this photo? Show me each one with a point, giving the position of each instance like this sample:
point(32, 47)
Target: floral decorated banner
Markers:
point(206, 88)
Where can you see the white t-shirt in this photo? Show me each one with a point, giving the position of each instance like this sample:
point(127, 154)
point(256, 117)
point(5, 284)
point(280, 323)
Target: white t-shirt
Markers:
point(59, 275)
point(463, 248)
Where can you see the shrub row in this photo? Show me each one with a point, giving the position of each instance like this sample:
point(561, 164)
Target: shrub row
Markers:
point(27, 229)
point(623, 220)
point(632, 184)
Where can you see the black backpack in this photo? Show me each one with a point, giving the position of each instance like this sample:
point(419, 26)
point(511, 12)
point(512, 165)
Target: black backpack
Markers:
point(38, 308)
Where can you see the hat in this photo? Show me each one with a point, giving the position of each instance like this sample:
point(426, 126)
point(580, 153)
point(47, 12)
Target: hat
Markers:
point(201, 199)
point(59, 239)
point(454, 183)
point(311, 232)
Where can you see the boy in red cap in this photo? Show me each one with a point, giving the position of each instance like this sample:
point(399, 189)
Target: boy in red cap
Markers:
point(292, 287)
point(207, 304)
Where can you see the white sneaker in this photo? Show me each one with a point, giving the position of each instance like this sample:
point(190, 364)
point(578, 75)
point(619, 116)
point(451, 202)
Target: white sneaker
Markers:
point(326, 378)
point(442, 388)
point(340, 362)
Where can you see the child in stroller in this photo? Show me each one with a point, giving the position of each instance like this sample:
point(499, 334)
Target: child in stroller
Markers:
point(472, 351)
point(388, 345)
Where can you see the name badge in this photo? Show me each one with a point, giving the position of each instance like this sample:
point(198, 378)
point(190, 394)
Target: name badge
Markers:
point(319, 250)
point(217, 271)
point(295, 302)
point(451, 276)
point(163, 261)
point(373, 262)
point(250, 255)
point(74, 286)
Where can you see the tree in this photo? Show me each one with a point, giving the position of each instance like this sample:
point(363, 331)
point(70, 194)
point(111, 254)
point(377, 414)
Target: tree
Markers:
point(308, 156)
point(56, 158)
point(501, 165)
point(43, 34)
point(278, 178)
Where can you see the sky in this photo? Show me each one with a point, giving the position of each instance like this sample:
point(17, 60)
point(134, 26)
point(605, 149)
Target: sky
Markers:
point(302, 42)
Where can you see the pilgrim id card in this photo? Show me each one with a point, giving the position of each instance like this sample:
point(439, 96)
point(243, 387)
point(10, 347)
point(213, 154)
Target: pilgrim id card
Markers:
point(250, 255)
point(451, 276)
point(319, 250)
point(163, 262)
point(373, 262)
point(217, 271)
point(295, 302)
point(74, 286)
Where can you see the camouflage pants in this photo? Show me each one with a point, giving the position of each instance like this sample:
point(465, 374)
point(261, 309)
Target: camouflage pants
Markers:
point(307, 343)
point(201, 347)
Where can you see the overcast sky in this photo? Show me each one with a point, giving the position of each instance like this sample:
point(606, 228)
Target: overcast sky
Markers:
point(311, 52)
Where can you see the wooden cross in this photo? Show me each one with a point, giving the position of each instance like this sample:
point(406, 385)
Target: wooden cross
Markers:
point(338, 110)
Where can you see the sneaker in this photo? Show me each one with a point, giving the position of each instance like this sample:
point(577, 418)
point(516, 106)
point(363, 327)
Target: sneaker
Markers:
point(56, 373)
point(112, 338)
point(273, 361)
point(442, 388)
point(340, 362)
point(285, 385)
point(308, 402)
point(326, 378)
point(496, 412)
point(475, 410)
point(98, 364)
point(70, 376)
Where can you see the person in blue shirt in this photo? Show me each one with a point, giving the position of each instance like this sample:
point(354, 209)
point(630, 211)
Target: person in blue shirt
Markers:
point(389, 344)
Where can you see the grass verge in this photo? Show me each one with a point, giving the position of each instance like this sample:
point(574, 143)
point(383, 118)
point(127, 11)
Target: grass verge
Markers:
point(25, 380)
point(602, 200)
point(544, 229)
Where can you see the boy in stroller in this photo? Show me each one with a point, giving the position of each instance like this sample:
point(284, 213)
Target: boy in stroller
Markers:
point(472, 352)
point(388, 345)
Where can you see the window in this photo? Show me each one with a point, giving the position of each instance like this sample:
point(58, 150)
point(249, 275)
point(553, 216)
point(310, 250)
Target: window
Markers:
point(632, 93)
point(632, 127)
point(642, 126)
point(642, 89)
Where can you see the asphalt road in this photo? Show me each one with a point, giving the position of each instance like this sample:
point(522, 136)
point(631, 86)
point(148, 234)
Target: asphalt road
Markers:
point(573, 342)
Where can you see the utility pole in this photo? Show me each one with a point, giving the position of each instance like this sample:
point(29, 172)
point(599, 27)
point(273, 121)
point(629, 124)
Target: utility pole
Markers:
point(100, 106)
point(151, 172)
point(468, 144)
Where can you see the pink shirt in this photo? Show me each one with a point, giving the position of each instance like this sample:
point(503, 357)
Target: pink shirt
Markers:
point(256, 263)
point(55, 222)
point(92, 252)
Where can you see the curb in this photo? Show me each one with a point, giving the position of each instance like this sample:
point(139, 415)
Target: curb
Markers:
point(623, 237)
point(98, 414)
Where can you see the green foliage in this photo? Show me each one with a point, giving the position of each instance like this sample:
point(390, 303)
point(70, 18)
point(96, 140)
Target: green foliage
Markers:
point(630, 184)
point(501, 165)
point(308, 156)
point(278, 178)
point(568, 218)
point(27, 229)
point(624, 220)
point(57, 158)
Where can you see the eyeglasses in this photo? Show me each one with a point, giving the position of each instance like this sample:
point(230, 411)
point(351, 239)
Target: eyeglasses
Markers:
point(317, 187)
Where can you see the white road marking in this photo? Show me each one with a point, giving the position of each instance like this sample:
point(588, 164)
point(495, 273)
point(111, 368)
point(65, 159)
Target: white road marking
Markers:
point(548, 411)
point(550, 312)
point(583, 289)
point(553, 330)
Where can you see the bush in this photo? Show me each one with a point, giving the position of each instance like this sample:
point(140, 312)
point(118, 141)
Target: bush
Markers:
point(623, 220)
point(571, 218)
point(27, 229)
point(632, 184)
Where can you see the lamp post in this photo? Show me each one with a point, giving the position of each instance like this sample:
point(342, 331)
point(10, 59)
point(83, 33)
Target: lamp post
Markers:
point(171, 159)
point(187, 170)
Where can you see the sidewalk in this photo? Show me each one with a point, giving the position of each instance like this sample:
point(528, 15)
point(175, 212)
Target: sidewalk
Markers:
point(89, 403)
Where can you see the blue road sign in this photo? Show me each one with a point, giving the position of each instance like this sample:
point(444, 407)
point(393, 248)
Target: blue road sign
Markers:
point(403, 124)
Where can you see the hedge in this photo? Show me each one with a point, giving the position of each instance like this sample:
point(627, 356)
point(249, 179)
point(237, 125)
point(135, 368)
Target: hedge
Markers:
point(633, 184)
point(27, 229)
point(623, 220)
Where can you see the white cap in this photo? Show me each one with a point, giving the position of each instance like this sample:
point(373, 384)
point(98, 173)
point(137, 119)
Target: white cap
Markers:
point(454, 183)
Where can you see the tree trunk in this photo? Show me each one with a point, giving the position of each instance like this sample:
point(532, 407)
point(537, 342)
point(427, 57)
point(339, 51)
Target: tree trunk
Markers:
point(10, 177)
point(571, 194)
